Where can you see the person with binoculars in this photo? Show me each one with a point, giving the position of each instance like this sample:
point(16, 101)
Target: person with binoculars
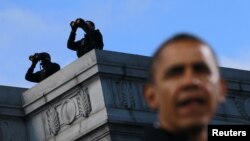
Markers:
point(48, 67)
point(92, 39)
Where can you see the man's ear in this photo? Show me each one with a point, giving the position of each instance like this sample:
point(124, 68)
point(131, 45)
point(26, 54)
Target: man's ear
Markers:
point(223, 91)
point(150, 96)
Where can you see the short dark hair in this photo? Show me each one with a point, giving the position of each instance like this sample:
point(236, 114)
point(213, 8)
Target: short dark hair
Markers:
point(173, 39)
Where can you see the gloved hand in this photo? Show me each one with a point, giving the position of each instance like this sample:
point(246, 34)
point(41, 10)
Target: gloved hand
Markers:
point(79, 22)
point(73, 26)
point(34, 62)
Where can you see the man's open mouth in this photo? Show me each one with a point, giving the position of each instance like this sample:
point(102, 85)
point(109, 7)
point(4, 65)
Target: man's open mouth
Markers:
point(193, 100)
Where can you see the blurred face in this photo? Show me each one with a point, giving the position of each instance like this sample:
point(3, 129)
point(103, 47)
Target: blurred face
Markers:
point(186, 87)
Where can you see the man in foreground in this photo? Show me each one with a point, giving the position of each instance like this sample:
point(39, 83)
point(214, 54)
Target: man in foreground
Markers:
point(185, 87)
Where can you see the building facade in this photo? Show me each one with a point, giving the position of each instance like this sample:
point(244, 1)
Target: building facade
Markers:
point(99, 97)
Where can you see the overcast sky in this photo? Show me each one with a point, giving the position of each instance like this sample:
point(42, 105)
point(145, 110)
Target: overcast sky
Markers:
point(129, 26)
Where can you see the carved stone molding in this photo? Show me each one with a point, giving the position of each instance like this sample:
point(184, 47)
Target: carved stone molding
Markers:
point(83, 101)
point(4, 132)
point(68, 111)
point(243, 104)
point(53, 121)
point(126, 94)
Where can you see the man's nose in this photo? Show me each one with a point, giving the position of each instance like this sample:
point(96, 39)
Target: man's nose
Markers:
point(190, 77)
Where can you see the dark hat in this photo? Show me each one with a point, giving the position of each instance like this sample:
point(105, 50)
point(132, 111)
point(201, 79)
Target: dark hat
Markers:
point(91, 23)
point(44, 56)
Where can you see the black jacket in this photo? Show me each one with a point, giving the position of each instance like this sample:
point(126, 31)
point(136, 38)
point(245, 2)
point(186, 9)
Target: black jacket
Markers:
point(43, 74)
point(158, 134)
point(92, 40)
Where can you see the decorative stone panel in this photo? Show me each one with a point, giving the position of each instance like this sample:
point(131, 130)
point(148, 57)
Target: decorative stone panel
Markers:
point(67, 111)
point(53, 121)
point(4, 132)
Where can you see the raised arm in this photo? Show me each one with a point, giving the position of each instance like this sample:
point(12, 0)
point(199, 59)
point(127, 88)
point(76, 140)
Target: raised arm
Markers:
point(71, 44)
point(33, 77)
